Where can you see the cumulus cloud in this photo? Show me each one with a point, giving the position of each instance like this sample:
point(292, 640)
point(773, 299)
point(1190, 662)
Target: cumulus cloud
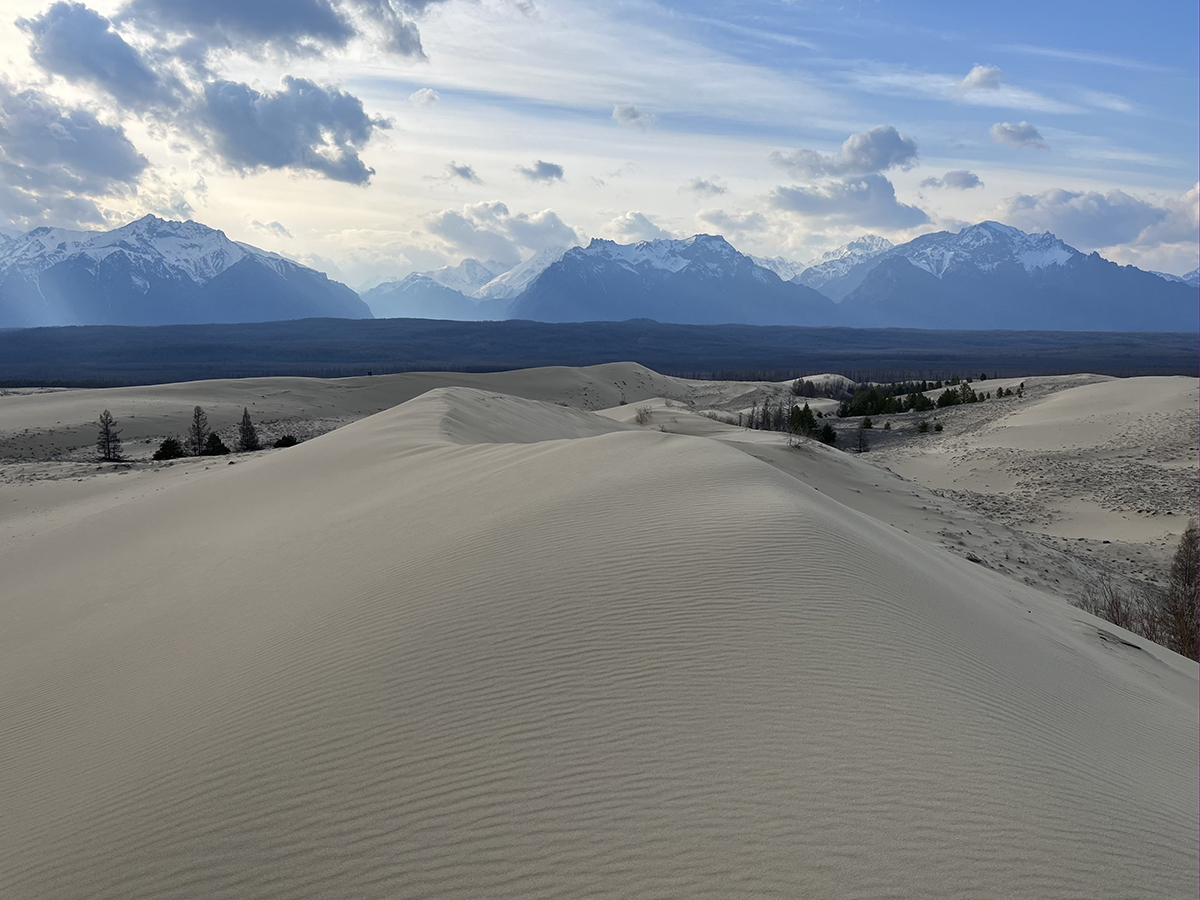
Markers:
point(705, 187)
point(73, 41)
point(424, 97)
point(1086, 219)
point(462, 171)
point(1020, 134)
point(877, 150)
point(866, 201)
point(732, 224)
point(55, 162)
point(634, 226)
point(489, 230)
point(288, 27)
point(1150, 233)
point(631, 117)
point(543, 171)
point(302, 126)
point(955, 179)
point(274, 229)
point(981, 78)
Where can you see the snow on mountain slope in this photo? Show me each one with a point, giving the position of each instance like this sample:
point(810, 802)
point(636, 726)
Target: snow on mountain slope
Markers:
point(786, 269)
point(468, 276)
point(200, 252)
point(1191, 278)
point(508, 284)
point(836, 264)
point(985, 246)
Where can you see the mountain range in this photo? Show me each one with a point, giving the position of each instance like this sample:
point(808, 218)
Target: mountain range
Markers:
point(986, 276)
point(157, 272)
point(154, 272)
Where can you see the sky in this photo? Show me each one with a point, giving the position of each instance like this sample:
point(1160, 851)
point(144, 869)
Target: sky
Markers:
point(372, 138)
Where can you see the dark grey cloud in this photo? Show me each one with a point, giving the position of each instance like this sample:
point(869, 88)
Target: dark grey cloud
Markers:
point(542, 171)
point(868, 201)
point(1018, 134)
point(705, 187)
point(955, 180)
point(73, 41)
point(54, 161)
point(1085, 219)
point(877, 150)
point(302, 126)
point(463, 171)
point(631, 117)
point(296, 27)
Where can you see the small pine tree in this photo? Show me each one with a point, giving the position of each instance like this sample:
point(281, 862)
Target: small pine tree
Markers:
point(108, 440)
point(247, 434)
point(214, 446)
point(827, 435)
point(288, 440)
point(887, 426)
point(866, 423)
point(861, 444)
point(198, 432)
point(168, 449)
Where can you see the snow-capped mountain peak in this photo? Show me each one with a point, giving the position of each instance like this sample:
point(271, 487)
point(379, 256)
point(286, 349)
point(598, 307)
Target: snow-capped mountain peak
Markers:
point(197, 251)
point(786, 269)
point(468, 276)
point(857, 250)
point(986, 246)
point(826, 271)
point(510, 283)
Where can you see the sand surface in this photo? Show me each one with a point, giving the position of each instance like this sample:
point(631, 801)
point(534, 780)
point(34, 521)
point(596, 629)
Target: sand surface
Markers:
point(488, 645)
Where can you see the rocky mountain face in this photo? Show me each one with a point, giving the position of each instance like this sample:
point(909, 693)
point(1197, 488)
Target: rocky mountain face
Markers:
point(995, 276)
point(157, 272)
point(700, 280)
point(835, 273)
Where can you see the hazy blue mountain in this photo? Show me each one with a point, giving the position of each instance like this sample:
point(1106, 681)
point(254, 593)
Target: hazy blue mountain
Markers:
point(838, 272)
point(700, 280)
point(419, 296)
point(995, 276)
point(156, 272)
point(1192, 278)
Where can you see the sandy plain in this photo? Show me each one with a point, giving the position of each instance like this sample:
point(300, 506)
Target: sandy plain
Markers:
point(485, 635)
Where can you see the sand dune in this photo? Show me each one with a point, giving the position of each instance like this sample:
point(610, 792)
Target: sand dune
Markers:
point(62, 423)
point(478, 645)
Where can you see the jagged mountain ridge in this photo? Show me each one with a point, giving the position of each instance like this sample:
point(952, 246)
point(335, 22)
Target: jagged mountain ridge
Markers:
point(158, 272)
point(831, 273)
point(699, 280)
point(995, 276)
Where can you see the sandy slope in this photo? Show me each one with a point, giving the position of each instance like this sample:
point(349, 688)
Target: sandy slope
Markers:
point(414, 657)
point(39, 426)
point(1108, 465)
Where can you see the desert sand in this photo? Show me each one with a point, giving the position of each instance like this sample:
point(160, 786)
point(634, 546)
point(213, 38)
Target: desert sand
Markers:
point(494, 638)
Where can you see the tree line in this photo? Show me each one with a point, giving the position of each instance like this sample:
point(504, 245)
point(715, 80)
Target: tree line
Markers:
point(200, 439)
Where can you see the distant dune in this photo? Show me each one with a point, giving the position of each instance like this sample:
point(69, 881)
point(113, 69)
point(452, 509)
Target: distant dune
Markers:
point(482, 645)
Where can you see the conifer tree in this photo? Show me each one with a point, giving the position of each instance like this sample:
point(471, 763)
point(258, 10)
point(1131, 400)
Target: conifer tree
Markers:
point(108, 440)
point(247, 434)
point(198, 431)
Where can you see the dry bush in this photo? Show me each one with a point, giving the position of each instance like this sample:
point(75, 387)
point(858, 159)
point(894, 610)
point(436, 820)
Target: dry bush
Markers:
point(1167, 617)
point(642, 415)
